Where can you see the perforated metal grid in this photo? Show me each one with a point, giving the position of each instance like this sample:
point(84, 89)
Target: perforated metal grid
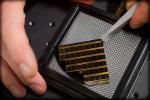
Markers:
point(119, 49)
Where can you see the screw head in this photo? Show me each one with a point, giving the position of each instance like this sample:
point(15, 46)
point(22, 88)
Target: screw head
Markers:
point(46, 43)
point(135, 94)
point(51, 24)
point(30, 23)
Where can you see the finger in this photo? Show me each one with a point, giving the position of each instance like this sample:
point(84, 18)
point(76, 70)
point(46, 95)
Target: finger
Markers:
point(141, 15)
point(88, 2)
point(11, 82)
point(130, 3)
point(16, 49)
point(35, 81)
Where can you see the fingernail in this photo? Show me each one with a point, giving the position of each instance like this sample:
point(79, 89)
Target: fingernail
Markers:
point(37, 89)
point(37, 83)
point(16, 92)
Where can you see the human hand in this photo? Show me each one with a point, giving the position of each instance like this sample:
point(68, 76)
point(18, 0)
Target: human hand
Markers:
point(18, 65)
point(141, 15)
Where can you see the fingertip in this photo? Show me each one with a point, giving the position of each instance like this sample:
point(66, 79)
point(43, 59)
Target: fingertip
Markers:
point(134, 22)
point(135, 25)
point(141, 16)
point(38, 84)
point(132, 25)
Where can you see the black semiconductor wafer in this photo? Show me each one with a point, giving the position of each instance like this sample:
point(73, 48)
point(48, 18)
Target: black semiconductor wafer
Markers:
point(88, 58)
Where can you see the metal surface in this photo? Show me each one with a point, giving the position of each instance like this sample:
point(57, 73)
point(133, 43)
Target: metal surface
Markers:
point(140, 88)
point(119, 49)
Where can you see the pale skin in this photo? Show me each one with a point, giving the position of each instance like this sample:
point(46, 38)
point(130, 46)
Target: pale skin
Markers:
point(18, 65)
point(141, 15)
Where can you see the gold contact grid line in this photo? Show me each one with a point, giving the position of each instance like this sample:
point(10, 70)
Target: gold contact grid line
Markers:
point(99, 80)
point(73, 52)
point(97, 74)
point(88, 69)
point(84, 56)
point(80, 44)
point(75, 44)
point(82, 63)
point(92, 68)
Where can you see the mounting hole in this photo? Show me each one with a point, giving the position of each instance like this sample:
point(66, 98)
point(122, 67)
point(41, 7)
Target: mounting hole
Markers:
point(46, 43)
point(30, 23)
point(51, 24)
point(135, 94)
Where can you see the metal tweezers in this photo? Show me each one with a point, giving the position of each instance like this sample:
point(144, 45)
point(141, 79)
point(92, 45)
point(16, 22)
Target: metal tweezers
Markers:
point(119, 24)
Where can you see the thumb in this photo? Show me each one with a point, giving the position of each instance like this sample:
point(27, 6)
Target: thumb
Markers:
point(16, 49)
point(142, 14)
